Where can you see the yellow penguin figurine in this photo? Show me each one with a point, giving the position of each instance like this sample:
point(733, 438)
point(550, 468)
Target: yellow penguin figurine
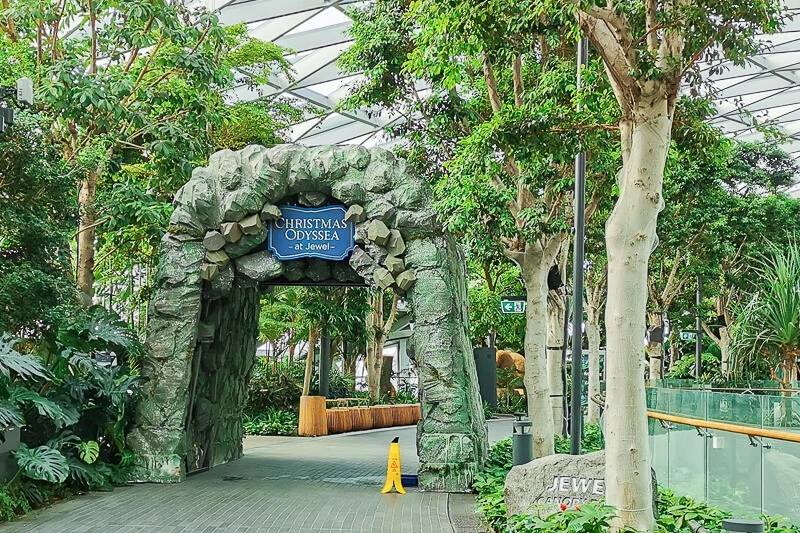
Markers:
point(393, 469)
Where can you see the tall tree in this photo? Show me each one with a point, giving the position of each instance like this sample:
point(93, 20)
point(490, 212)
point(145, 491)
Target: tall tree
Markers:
point(130, 78)
point(489, 96)
point(379, 323)
point(649, 47)
point(37, 208)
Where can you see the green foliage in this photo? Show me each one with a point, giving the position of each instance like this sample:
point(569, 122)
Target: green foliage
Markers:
point(684, 367)
point(89, 451)
point(37, 207)
point(584, 518)
point(13, 502)
point(280, 390)
point(676, 511)
point(74, 412)
point(487, 286)
point(270, 421)
point(768, 325)
point(489, 484)
point(42, 463)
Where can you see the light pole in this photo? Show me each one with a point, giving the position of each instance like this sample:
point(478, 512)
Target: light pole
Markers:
point(576, 414)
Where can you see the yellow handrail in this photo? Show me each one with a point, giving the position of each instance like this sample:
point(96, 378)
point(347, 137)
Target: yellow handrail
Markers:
point(723, 426)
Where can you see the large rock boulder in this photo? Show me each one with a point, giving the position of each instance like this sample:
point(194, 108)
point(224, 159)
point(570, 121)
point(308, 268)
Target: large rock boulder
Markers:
point(542, 485)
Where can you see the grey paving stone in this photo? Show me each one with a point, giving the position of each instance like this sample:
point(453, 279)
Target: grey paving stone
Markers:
point(282, 485)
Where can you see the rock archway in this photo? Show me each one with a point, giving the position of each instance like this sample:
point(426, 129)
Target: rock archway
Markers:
point(202, 332)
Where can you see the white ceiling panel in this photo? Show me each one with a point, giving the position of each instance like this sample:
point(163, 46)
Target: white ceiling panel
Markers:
point(767, 86)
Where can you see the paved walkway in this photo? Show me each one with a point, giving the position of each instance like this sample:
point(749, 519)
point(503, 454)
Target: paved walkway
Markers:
point(283, 484)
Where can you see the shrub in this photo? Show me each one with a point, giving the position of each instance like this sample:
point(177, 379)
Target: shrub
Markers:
point(279, 388)
point(270, 422)
point(12, 502)
point(585, 518)
point(74, 412)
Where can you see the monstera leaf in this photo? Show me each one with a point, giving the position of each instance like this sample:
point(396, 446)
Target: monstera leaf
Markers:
point(46, 407)
point(25, 366)
point(89, 450)
point(42, 463)
point(11, 415)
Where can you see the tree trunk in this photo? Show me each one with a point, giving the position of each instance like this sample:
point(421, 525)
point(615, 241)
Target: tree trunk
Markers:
point(86, 235)
point(674, 352)
point(555, 342)
point(654, 350)
point(312, 341)
point(593, 334)
point(540, 410)
point(630, 237)
point(725, 350)
point(374, 361)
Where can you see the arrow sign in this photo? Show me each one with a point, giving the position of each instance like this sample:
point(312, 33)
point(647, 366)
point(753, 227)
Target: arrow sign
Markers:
point(513, 304)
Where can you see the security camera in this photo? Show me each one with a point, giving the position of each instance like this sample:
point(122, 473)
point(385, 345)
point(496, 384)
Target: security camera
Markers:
point(25, 91)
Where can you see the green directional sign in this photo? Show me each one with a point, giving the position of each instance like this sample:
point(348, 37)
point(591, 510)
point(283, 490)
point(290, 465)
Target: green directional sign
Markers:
point(513, 304)
point(688, 335)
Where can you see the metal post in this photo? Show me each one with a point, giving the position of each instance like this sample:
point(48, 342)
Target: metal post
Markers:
point(698, 345)
point(576, 414)
point(324, 363)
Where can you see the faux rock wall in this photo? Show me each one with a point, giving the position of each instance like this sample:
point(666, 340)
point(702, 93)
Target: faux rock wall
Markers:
point(203, 326)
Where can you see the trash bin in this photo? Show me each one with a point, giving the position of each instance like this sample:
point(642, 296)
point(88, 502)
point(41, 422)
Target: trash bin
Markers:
point(740, 525)
point(522, 440)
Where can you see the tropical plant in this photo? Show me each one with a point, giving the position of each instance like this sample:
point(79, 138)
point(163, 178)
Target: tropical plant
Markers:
point(584, 518)
point(36, 221)
point(768, 325)
point(279, 390)
point(683, 368)
point(13, 502)
point(74, 411)
point(270, 421)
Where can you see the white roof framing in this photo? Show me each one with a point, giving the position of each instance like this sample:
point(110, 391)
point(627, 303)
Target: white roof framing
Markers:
point(768, 86)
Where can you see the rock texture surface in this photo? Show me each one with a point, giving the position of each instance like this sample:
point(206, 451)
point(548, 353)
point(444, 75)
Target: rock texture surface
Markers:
point(215, 263)
point(542, 485)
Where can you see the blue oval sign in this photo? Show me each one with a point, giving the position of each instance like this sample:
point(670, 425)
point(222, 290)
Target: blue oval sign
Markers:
point(311, 232)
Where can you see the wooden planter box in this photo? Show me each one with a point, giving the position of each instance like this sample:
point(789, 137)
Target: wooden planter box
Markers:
point(362, 418)
point(339, 420)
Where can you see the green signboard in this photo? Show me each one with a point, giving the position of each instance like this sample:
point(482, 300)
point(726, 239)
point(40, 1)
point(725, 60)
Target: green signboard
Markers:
point(513, 304)
point(688, 335)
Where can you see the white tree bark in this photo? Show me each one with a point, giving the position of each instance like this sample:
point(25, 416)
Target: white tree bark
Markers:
point(654, 350)
point(536, 386)
point(725, 350)
point(534, 264)
point(555, 339)
point(630, 236)
point(593, 335)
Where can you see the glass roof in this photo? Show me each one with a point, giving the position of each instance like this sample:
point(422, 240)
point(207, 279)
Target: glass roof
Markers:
point(768, 86)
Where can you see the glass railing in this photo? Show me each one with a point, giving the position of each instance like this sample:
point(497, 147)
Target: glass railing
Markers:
point(744, 474)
